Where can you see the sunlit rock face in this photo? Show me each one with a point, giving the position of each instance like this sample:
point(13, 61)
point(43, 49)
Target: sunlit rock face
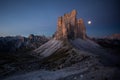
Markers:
point(69, 27)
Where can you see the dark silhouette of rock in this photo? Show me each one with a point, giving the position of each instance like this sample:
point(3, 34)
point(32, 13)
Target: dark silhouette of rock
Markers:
point(69, 27)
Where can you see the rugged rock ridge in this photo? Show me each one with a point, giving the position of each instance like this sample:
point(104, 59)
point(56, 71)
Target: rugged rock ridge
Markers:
point(20, 43)
point(69, 27)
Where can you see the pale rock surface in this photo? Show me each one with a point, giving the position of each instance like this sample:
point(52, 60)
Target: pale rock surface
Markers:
point(48, 48)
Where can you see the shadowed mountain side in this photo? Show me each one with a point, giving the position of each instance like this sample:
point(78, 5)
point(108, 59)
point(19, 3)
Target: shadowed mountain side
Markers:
point(95, 49)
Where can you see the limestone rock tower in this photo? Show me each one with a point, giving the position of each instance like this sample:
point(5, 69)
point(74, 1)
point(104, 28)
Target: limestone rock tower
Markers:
point(69, 27)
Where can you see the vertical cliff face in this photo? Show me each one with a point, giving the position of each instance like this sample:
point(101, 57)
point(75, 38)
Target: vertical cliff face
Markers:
point(69, 27)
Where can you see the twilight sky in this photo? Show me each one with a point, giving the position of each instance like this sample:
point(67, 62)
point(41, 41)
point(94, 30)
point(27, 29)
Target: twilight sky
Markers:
point(24, 17)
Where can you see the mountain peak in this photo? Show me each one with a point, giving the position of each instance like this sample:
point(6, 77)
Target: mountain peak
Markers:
point(69, 27)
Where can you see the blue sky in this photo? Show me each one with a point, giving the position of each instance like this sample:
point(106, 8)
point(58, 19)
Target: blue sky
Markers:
point(24, 17)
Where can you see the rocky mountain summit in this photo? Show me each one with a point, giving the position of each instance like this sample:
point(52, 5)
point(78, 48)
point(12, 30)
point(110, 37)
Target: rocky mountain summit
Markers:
point(69, 27)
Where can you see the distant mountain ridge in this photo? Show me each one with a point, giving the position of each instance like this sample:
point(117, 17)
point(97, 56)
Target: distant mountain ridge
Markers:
point(113, 36)
point(20, 43)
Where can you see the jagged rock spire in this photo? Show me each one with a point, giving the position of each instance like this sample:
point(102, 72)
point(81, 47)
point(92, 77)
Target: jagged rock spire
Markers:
point(69, 27)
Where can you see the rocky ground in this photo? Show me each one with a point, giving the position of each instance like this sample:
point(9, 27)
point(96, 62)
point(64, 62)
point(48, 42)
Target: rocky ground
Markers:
point(14, 57)
point(67, 62)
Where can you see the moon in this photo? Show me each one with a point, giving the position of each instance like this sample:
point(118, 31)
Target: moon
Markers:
point(89, 22)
